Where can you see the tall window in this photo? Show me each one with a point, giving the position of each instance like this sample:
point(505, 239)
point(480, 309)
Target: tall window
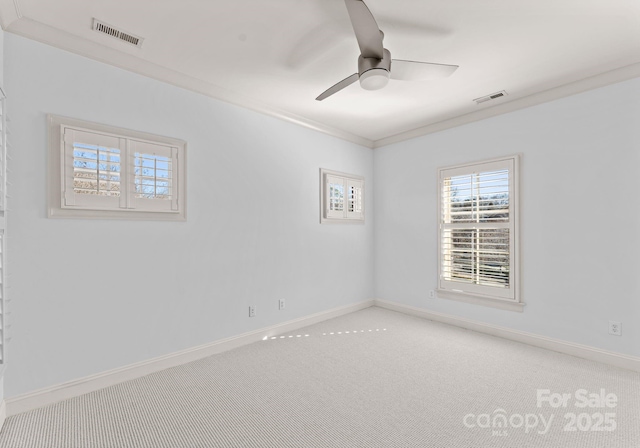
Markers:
point(478, 230)
point(4, 303)
point(342, 197)
point(102, 171)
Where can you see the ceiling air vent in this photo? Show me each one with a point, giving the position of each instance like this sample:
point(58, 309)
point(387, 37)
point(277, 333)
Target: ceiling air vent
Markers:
point(118, 34)
point(493, 96)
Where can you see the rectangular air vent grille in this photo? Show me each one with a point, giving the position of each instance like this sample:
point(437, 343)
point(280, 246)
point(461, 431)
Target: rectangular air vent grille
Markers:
point(493, 96)
point(118, 34)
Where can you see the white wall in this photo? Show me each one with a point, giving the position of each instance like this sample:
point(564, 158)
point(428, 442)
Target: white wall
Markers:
point(91, 295)
point(252, 234)
point(580, 215)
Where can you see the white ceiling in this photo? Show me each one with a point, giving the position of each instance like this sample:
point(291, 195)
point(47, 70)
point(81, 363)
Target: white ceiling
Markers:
point(277, 56)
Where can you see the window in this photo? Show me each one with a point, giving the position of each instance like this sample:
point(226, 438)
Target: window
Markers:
point(341, 198)
point(4, 314)
point(101, 171)
point(3, 153)
point(4, 337)
point(478, 233)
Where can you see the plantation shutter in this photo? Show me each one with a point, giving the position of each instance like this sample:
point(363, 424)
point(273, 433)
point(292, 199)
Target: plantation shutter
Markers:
point(119, 173)
point(477, 228)
point(341, 197)
point(354, 206)
point(3, 302)
point(4, 335)
point(153, 183)
point(3, 151)
point(335, 196)
point(4, 313)
point(91, 170)
point(107, 172)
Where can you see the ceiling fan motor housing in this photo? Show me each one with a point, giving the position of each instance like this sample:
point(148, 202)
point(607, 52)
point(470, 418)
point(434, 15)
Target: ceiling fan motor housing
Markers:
point(373, 72)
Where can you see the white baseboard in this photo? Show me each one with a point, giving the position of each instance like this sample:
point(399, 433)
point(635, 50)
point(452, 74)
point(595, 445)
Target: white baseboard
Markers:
point(70, 389)
point(557, 345)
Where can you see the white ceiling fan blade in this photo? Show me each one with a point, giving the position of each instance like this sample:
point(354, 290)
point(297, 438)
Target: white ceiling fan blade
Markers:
point(338, 87)
point(419, 71)
point(367, 32)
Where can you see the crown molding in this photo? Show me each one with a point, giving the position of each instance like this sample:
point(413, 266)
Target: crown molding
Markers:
point(9, 13)
point(12, 21)
point(38, 31)
point(582, 85)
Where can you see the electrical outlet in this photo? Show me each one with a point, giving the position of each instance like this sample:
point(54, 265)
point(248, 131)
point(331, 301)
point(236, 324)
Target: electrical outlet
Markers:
point(432, 294)
point(615, 328)
point(252, 311)
point(281, 304)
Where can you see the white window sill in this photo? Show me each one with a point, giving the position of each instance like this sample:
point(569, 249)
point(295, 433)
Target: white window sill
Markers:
point(508, 305)
point(57, 212)
point(340, 221)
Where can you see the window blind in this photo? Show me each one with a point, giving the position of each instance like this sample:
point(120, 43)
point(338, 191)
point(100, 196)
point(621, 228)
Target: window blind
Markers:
point(354, 199)
point(3, 302)
point(336, 197)
point(155, 169)
point(92, 169)
point(341, 197)
point(335, 191)
point(477, 229)
point(3, 151)
point(116, 173)
point(96, 170)
point(153, 176)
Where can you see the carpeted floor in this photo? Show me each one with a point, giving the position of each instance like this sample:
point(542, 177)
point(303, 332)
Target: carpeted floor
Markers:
point(374, 378)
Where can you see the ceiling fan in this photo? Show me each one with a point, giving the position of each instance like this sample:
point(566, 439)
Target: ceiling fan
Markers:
point(375, 65)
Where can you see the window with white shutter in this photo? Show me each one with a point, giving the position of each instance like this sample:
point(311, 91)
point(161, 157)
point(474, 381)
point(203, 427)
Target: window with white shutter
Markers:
point(91, 169)
point(341, 198)
point(4, 312)
point(155, 169)
point(3, 151)
point(334, 187)
point(478, 232)
point(101, 171)
point(355, 205)
point(3, 302)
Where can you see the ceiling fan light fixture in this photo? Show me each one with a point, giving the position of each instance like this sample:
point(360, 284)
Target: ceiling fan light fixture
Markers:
point(374, 79)
point(374, 62)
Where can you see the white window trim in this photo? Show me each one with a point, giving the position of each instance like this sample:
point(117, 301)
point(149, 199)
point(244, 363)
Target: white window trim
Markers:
point(511, 304)
point(345, 219)
point(56, 188)
point(4, 303)
point(3, 154)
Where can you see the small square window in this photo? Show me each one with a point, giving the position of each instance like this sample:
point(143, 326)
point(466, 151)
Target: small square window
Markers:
point(99, 171)
point(342, 197)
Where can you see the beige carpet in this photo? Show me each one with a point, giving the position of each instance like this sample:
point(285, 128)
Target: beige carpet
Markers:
point(382, 379)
